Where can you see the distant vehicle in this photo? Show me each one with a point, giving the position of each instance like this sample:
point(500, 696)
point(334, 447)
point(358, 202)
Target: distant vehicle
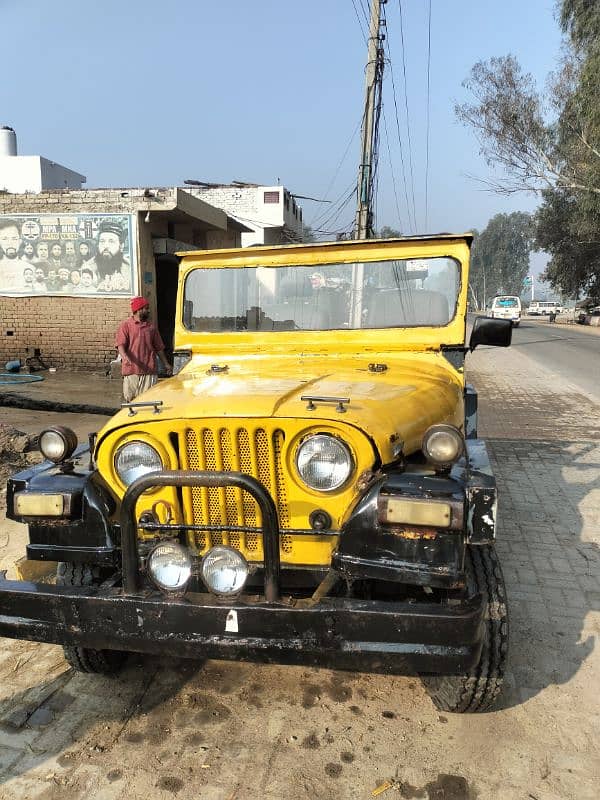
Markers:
point(506, 307)
point(543, 307)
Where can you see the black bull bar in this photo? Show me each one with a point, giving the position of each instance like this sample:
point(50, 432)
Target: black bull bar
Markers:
point(179, 478)
point(338, 632)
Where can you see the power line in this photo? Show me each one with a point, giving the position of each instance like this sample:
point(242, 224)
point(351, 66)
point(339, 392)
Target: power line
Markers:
point(334, 216)
point(359, 21)
point(411, 222)
point(365, 12)
point(336, 173)
point(338, 206)
point(328, 212)
point(387, 140)
point(427, 136)
point(412, 178)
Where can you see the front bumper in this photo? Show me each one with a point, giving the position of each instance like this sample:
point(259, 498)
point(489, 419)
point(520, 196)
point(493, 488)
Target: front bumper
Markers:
point(339, 633)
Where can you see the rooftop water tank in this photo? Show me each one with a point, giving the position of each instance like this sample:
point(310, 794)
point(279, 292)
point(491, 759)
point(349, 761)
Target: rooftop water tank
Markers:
point(8, 141)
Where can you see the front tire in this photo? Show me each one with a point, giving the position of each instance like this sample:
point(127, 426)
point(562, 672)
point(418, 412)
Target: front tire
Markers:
point(478, 689)
point(87, 659)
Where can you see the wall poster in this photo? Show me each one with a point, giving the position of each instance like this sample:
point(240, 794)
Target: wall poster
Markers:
point(67, 254)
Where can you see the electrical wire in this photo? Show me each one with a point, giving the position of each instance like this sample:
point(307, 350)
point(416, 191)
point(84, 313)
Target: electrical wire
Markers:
point(411, 219)
point(336, 173)
point(332, 218)
point(427, 135)
point(387, 140)
point(412, 177)
point(366, 13)
point(331, 210)
point(331, 223)
point(359, 21)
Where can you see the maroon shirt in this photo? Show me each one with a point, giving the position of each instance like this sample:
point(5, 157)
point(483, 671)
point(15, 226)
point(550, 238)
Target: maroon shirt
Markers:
point(141, 341)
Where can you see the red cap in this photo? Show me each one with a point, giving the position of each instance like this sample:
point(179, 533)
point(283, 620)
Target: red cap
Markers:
point(137, 303)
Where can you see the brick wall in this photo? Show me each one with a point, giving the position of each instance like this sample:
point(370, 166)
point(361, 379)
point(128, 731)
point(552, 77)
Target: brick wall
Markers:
point(76, 333)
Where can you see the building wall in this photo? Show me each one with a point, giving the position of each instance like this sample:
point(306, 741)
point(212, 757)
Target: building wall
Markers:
point(271, 211)
point(77, 333)
point(55, 176)
point(21, 174)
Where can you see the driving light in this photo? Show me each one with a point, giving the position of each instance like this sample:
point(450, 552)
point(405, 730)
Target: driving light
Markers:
point(135, 459)
point(58, 443)
point(324, 462)
point(170, 566)
point(224, 571)
point(443, 445)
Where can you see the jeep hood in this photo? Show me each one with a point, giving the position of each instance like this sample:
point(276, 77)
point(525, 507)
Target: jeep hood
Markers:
point(396, 404)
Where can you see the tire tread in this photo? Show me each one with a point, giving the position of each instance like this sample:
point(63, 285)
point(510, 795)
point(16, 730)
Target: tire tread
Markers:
point(478, 690)
point(87, 659)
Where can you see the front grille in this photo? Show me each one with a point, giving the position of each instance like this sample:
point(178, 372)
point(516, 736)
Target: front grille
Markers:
point(255, 451)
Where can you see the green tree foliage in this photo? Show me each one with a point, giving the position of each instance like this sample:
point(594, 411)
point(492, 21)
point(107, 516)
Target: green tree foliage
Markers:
point(549, 143)
point(500, 257)
point(389, 233)
point(308, 234)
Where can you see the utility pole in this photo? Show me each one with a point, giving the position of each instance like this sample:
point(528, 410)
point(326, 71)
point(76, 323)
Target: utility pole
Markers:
point(370, 125)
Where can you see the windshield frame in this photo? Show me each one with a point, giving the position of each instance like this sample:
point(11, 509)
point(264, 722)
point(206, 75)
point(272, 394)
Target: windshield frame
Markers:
point(323, 298)
point(363, 340)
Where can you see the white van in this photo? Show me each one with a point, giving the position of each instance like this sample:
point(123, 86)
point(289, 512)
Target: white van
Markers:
point(543, 307)
point(507, 307)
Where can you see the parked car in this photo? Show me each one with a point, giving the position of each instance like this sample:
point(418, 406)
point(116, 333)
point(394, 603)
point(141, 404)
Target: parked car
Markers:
point(308, 488)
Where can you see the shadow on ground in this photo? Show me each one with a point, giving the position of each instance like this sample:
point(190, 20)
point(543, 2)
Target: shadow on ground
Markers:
point(549, 494)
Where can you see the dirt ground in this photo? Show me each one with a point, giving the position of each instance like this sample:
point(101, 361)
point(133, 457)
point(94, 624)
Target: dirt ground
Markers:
point(237, 731)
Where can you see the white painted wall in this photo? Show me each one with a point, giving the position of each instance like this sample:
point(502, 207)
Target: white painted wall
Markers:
point(247, 204)
point(23, 174)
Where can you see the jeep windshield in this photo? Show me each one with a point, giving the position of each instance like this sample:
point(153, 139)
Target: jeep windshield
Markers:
point(368, 295)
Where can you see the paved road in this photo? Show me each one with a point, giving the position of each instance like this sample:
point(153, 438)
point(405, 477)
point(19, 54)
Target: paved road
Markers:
point(564, 349)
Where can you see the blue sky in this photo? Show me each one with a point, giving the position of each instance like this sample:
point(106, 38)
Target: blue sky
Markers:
point(143, 93)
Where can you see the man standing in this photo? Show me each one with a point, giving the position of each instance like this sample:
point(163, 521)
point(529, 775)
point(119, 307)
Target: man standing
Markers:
point(138, 342)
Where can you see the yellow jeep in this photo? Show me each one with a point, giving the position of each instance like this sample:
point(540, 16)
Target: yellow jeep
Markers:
point(307, 488)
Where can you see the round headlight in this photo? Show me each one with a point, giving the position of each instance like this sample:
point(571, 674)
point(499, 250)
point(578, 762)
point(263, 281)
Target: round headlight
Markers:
point(324, 463)
point(135, 459)
point(57, 443)
point(170, 566)
point(224, 571)
point(443, 445)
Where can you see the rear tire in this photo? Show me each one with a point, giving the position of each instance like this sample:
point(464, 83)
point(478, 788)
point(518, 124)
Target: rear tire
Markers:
point(87, 659)
point(478, 689)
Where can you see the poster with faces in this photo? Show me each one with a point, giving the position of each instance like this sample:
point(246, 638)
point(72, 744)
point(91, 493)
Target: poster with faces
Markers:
point(67, 254)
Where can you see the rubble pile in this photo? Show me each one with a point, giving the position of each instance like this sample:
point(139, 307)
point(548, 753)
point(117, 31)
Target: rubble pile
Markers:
point(17, 450)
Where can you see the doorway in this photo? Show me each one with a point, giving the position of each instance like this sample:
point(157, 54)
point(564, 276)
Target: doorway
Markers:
point(167, 273)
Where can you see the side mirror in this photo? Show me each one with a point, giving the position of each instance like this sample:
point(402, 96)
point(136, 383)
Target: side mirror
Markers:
point(487, 330)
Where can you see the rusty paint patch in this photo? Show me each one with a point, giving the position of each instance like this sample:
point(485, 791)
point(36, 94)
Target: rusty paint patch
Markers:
point(415, 533)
